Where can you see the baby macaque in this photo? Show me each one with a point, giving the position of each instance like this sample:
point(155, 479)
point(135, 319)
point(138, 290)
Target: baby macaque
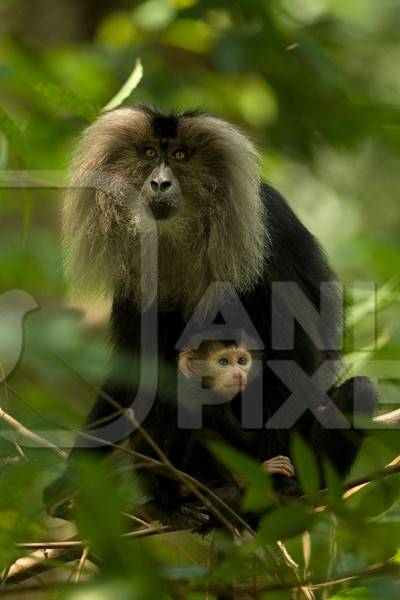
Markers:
point(226, 368)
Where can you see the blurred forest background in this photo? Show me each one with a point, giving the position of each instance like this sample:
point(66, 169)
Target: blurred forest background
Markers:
point(316, 84)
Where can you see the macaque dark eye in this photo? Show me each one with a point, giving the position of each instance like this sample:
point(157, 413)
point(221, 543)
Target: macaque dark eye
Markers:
point(223, 361)
point(179, 154)
point(149, 152)
point(243, 360)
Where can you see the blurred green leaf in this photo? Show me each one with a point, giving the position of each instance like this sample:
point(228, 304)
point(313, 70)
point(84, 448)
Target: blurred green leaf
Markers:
point(285, 522)
point(14, 136)
point(192, 35)
point(259, 491)
point(307, 470)
point(153, 15)
point(67, 100)
point(3, 151)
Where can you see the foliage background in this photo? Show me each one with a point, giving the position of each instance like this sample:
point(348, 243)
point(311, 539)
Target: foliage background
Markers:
point(315, 83)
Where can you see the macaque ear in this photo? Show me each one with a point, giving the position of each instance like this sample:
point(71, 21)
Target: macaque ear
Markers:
point(185, 364)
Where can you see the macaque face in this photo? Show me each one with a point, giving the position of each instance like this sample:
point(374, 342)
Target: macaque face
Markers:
point(223, 369)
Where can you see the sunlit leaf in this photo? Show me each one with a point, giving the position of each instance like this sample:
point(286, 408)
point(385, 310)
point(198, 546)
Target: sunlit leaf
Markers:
point(126, 90)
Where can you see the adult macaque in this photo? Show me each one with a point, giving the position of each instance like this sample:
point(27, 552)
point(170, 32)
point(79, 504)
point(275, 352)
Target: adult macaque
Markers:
point(194, 180)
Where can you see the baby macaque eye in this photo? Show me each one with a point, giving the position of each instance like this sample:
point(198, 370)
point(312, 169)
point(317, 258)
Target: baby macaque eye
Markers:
point(223, 361)
point(243, 360)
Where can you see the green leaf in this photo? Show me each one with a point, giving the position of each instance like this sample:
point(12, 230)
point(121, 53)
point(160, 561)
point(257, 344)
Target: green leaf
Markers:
point(126, 90)
point(374, 542)
point(306, 466)
point(333, 484)
point(259, 491)
point(14, 135)
point(376, 498)
point(153, 15)
point(67, 100)
point(285, 522)
point(3, 151)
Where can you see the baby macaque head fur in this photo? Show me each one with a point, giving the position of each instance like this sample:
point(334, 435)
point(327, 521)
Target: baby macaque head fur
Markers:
point(224, 368)
point(191, 177)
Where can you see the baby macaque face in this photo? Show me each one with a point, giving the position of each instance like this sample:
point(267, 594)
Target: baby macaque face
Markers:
point(224, 369)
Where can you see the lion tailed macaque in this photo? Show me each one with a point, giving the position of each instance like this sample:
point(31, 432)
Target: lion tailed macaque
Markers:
point(188, 188)
point(225, 368)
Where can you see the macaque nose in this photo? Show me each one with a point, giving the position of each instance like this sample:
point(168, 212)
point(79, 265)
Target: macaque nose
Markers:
point(237, 375)
point(160, 184)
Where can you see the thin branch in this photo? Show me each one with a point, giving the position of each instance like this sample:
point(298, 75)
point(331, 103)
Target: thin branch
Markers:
point(305, 588)
point(21, 429)
point(51, 545)
point(77, 575)
point(24, 432)
point(352, 487)
point(149, 531)
point(47, 554)
point(38, 562)
point(390, 418)
point(136, 519)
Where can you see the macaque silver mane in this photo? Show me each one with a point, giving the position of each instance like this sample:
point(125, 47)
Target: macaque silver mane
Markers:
point(199, 180)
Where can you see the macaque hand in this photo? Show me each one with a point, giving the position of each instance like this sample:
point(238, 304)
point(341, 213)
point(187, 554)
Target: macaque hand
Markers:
point(279, 465)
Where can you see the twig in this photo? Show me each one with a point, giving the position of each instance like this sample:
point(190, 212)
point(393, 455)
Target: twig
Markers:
point(136, 519)
point(24, 432)
point(149, 531)
point(77, 575)
point(19, 427)
point(390, 418)
point(51, 545)
point(144, 532)
point(352, 487)
point(305, 588)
